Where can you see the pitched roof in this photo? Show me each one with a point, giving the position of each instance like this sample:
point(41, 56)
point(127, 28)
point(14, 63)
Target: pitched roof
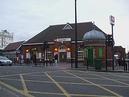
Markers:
point(57, 31)
point(13, 46)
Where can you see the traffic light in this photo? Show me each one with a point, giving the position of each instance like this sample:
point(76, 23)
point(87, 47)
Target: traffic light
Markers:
point(109, 40)
point(45, 45)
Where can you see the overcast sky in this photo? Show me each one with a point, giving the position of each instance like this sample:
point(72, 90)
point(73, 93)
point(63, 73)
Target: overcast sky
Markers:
point(26, 18)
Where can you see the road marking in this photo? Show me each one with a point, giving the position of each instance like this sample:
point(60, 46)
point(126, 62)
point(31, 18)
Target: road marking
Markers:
point(123, 76)
point(75, 77)
point(11, 79)
point(59, 86)
point(15, 95)
point(84, 95)
point(36, 81)
point(29, 73)
point(9, 75)
point(113, 74)
point(35, 92)
point(63, 76)
point(35, 75)
point(25, 90)
point(115, 86)
point(94, 84)
point(46, 81)
point(24, 84)
point(20, 73)
point(111, 79)
point(14, 89)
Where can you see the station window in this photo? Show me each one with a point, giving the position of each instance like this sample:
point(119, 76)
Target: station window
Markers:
point(49, 55)
point(80, 55)
point(100, 52)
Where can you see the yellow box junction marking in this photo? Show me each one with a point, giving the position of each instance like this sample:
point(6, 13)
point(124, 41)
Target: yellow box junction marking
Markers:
point(123, 76)
point(127, 85)
point(85, 95)
point(111, 79)
point(82, 95)
point(14, 89)
point(59, 86)
point(117, 95)
point(24, 84)
point(46, 93)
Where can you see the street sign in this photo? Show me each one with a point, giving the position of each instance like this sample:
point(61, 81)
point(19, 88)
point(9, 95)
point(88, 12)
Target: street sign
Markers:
point(112, 20)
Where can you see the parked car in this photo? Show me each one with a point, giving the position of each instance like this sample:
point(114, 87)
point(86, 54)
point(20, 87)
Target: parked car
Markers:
point(4, 61)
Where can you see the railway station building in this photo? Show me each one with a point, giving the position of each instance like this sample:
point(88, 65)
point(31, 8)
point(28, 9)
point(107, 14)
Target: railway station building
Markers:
point(59, 41)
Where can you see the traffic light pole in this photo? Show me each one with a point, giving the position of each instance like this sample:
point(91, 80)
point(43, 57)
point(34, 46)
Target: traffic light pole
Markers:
point(112, 47)
point(112, 22)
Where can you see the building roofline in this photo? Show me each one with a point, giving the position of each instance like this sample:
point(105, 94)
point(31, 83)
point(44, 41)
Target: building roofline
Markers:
point(70, 23)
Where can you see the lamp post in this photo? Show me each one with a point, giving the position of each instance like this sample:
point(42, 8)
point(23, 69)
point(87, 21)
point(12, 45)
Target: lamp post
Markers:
point(112, 22)
point(112, 48)
point(76, 49)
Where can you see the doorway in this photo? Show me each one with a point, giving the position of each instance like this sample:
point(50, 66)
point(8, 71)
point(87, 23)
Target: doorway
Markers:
point(62, 56)
point(90, 57)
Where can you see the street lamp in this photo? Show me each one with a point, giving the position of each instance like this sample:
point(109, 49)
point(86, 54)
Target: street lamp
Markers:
point(76, 49)
point(112, 22)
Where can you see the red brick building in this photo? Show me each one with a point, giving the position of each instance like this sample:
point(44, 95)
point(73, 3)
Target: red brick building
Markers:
point(60, 40)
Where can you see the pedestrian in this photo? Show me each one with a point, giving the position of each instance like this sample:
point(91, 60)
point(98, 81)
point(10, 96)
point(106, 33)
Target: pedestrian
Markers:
point(125, 65)
point(34, 60)
point(119, 61)
point(56, 58)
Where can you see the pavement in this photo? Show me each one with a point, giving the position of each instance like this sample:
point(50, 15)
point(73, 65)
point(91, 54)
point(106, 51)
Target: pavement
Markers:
point(61, 81)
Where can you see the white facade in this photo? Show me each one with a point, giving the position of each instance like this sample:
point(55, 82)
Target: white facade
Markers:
point(5, 38)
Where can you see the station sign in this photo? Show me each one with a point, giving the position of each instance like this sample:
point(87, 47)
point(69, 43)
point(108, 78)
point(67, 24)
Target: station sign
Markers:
point(63, 39)
point(112, 20)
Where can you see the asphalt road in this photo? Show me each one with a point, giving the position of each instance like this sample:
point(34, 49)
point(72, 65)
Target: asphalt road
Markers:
point(60, 81)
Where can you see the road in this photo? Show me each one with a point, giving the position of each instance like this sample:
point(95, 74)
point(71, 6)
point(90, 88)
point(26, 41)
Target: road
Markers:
point(61, 81)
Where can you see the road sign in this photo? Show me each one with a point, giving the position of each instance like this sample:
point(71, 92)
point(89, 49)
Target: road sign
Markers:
point(112, 20)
